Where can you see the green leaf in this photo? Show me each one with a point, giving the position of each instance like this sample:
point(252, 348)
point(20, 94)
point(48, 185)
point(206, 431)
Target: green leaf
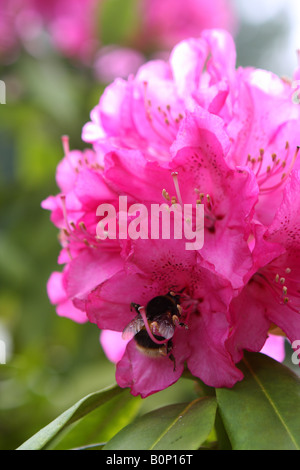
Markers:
point(119, 21)
point(262, 412)
point(42, 439)
point(101, 424)
point(181, 426)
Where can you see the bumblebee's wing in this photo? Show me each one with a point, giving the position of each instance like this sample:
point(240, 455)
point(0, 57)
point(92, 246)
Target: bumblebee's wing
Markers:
point(133, 327)
point(163, 328)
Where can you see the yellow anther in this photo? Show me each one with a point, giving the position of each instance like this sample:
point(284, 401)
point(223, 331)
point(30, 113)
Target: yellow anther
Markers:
point(165, 195)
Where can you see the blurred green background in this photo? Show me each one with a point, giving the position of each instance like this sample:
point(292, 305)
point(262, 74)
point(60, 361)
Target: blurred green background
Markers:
point(51, 361)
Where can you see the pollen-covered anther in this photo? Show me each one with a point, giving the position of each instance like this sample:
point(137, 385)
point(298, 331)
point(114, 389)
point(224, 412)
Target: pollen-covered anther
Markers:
point(284, 290)
point(166, 195)
point(64, 209)
point(209, 201)
point(82, 226)
point(154, 327)
point(179, 308)
point(199, 195)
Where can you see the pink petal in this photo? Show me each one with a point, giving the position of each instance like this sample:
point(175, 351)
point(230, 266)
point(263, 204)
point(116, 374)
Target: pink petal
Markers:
point(88, 270)
point(209, 359)
point(146, 375)
point(113, 345)
point(274, 347)
point(57, 295)
point(286, 225)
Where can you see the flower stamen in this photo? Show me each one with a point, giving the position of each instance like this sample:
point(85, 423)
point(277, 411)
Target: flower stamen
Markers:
point(281, 287)
point(66, 145)
point(274, 169)
point(177, 189)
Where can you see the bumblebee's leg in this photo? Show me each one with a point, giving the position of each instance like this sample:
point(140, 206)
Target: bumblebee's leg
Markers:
point(170, 355)
point(135, 306)
point(176, 322)
point(176, 295)
point(174, 361)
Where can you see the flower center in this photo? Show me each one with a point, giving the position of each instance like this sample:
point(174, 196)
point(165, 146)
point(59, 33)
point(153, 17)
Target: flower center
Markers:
point(282, 285)
point(210, 217)
point(73, 233)
point(163, 121)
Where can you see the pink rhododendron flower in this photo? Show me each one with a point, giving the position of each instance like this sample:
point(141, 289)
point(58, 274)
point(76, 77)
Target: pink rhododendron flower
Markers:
point(194, 130)
point(73, 29)
point(71, 25)
point(271, 295)
point(116, 61)
point(162, 266)
point(73, 211)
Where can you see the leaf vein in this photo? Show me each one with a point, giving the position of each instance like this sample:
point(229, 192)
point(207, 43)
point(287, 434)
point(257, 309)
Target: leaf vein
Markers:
point(174, 422)
point(256, 378)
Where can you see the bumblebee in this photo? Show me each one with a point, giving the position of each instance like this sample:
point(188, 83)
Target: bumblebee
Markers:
point(154, 326)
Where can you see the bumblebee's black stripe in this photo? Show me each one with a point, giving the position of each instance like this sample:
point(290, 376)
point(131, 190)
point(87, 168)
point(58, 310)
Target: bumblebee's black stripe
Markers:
point(143, 339)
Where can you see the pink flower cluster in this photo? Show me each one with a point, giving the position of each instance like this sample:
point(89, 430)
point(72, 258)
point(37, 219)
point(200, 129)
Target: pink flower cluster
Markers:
point(194, 129)
point(69, 23)
point(73, 27)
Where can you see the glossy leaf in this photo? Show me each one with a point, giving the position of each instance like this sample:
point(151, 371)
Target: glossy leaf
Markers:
point(262, 412)
point(102, 424)
point(42, 439)
point(181, 426)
